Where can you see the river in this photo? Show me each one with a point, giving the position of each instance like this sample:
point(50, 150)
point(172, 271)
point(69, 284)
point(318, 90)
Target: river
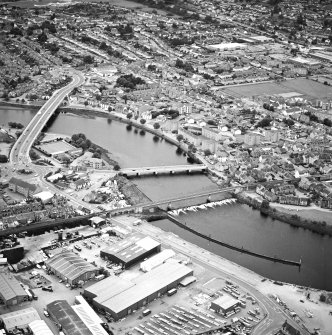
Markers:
point(235, 224)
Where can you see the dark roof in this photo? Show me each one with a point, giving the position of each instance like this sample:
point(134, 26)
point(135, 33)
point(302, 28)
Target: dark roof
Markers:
point(63, 313)
point(22, 183)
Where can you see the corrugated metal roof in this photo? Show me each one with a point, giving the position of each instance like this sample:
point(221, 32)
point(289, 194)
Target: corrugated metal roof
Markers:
point(86, 315)
point(132, 247)
point(70, 265)
point(39, 327)
point(64, 314)
point(20, 319)
point(10, 288)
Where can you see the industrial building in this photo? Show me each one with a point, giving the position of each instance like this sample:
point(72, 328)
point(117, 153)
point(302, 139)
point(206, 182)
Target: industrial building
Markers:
point(120, 297)
point(70, 267)
point(39, 327)
point(156, 260)
point(11, 292)
point(64, 315)
point(224, 304)
point(131, 250)
point(19, 319)
point(88, 316)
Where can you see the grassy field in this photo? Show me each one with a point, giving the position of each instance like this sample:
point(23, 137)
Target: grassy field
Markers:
point(306, 87)
point(257, 89)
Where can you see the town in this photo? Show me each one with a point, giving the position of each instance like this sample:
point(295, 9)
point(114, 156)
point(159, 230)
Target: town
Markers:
point(242, 93)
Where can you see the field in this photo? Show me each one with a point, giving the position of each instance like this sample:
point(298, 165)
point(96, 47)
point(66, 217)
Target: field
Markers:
point(56, 147)
point(305, 87)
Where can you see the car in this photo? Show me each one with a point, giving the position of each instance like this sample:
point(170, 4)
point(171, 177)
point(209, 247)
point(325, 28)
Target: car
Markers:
point(61, 280)
point(46, 313)
point(67, 285)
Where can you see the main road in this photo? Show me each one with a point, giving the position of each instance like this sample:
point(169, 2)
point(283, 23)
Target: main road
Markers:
point(21, 148)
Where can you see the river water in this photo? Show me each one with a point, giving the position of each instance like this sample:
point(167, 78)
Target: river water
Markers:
point(235, 224)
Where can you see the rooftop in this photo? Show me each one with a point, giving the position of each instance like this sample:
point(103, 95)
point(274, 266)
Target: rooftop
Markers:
point(10, 288)
point(21, 318)
point(22, 183)
point(226, 301)
point(70, 265)
point(125, 294)
point(64, 314)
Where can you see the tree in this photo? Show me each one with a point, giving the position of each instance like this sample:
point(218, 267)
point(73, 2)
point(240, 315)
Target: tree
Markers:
point(3, 159)
point(116, 167)
point(86, 103)
point(179, 137)
point(265, 204)
point(103, 46)
point(42, 38)
point(88, 59)
point(207, 152)
point(264, 122)
point(142, 121)
point(129, 115)
point(34, 155)
point(327, 122)
point(322, 297)
point(156, 125)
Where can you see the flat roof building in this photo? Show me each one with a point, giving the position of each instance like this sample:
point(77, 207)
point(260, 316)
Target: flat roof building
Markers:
point(131, 250)
point(71, 268)
point(63, 314)
point(120, 297)
point(227, 46)
point(11, 292)
point(224, 304)
point(156, 260)
point(20, 319)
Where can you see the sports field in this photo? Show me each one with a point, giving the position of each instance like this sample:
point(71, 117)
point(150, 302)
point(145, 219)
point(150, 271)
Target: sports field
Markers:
point(57, 147)
point(301, 86)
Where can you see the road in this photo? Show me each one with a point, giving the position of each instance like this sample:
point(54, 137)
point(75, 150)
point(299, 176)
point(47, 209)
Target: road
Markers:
point(20, 151)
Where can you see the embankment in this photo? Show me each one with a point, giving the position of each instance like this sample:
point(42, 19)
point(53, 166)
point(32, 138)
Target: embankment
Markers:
point(230, 246)
point(294, 220)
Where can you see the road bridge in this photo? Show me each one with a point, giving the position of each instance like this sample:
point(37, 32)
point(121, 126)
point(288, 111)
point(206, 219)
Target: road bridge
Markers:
point(157, 170)
point(20, 150)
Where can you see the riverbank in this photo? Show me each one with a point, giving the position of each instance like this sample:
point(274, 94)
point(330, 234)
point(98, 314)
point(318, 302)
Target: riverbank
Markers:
point(132, 193)
point(319, 227)
point(262, 288)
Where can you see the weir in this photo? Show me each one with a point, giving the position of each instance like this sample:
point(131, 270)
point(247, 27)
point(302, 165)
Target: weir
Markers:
point(230, 246)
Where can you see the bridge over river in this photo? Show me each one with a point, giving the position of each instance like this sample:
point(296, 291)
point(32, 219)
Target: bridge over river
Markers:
point(157, 170)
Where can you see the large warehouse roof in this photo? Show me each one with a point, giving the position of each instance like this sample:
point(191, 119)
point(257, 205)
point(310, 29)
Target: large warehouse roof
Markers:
point(146, 285)
point(70, 265)
point(157, 259)
point(20, 318)
point(10, 287)
point(132, 247)
point(108, 288)
point(39, 327)
point(67, 317)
